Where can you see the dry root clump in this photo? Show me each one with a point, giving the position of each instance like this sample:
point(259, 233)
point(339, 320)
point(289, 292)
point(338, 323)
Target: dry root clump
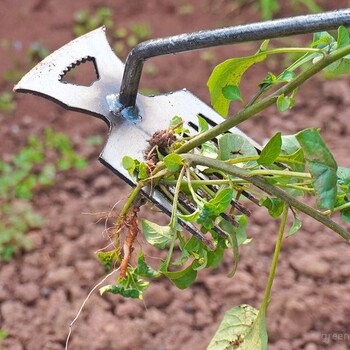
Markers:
point(161, 139)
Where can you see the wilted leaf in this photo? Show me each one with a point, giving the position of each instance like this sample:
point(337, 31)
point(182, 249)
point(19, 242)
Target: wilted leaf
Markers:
point(240, 330)
point(156, 235)
point(236, 146)
point(125, 292)
point(295, 227)
point(145, 270)
point(107, 258)
point(321, 165)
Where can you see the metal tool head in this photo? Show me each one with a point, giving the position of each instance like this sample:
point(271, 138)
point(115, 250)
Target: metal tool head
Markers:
point(126, 136)
point(113, 96)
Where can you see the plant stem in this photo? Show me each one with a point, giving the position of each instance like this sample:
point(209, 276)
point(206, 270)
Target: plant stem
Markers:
point(259, 106)
point(269, 172)
point(294, 50)
point(173, 219)
point(281, 159)
point(261, 183)
point(204, 182)
point(341, 207)
point(274, 262)
point(132, 196)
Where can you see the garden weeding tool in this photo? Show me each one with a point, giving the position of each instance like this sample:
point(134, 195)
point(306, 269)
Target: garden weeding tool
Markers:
point(133, 118)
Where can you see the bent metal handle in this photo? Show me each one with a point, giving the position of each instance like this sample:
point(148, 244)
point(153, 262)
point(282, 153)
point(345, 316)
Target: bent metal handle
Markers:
point(224, 36)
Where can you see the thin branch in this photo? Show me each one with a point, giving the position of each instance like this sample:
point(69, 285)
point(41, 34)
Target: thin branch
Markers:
point(268, 188)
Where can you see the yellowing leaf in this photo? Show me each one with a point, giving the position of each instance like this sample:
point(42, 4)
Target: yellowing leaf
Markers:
point(158, 236)
point(241, 329)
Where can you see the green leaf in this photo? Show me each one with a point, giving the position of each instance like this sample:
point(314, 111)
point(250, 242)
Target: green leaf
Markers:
point(229, 73)
point(263, 47)
point(271, 150)
point(142, 170)
point(158, 236)
point(208, 149)
point(129, 164)
point(274, 206)
point(270, 79)
point(268, 8)
point(203, 124)
point(295, 227)
point(214, 207)
point(285, 102)
point(240, 329)
point(343, 37)
point(232, 238)
point(190, 217)
point(322, 166)
point(241, 232)
point(290, 144)
point(3, 334)
point(232, 93)
point(345, 215)
point(182, 279)
point(176, 120)
point(173, 161)
point(286, 76)
point(257, 337)
point(215, 257)
point(339, 67)
point(344, 178)
point(125, 292)
point(323, 40)
point(145, 270)
point(107, 258)
point(221, 200)
point(233, 146)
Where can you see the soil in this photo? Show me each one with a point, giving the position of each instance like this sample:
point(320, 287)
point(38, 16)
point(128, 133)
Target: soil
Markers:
point(42, 290)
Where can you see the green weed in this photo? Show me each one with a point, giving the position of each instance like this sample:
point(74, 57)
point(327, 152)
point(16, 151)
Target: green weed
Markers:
point(35, 53)
point(7, 103)
point(32, 169)
point(86, 21)
point(125, 38)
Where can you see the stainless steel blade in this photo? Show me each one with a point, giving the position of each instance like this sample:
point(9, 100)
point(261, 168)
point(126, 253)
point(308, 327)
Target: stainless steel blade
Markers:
point(126, 137)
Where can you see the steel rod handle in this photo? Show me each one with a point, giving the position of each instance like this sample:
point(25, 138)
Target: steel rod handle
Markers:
point(223, 36)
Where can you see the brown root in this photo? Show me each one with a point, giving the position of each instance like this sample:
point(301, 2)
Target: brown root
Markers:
point(130, 223)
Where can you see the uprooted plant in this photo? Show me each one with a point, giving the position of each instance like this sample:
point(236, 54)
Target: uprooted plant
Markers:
point(205, 175)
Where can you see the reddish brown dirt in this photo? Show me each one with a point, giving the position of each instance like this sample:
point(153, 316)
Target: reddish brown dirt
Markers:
point(42, 290)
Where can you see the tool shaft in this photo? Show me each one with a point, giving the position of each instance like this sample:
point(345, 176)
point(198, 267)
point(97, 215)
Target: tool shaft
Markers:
point(223, 36)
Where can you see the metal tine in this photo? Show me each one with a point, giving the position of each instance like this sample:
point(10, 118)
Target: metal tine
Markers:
point(167, 194)
point(234, 202)
point(188, 207)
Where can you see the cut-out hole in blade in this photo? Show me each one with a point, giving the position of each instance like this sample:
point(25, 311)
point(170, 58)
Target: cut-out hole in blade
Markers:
point(83, 72)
